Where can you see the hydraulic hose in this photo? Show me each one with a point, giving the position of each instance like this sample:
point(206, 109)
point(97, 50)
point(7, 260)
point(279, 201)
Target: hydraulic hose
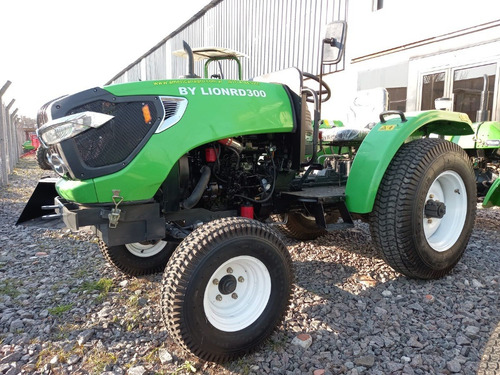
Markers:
point(198, 190)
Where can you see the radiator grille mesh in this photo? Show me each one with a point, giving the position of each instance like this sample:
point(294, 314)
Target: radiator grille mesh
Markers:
point(114, 141)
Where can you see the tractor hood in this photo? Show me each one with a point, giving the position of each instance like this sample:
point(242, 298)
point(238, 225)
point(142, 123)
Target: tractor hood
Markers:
point(127, 137)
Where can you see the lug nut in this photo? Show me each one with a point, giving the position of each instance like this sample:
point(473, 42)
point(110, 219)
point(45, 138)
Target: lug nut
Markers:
point(431, 196)
point(218, 297)
point(229, 270)
point(429, 221)
point(234, 295)
point(215, 282)
point(241, 279)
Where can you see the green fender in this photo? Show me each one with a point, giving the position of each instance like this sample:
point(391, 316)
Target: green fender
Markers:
point(493, 196)
point(382, 143)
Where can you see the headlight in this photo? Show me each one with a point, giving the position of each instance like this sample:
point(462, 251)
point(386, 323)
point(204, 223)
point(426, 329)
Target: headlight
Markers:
point(66, 127)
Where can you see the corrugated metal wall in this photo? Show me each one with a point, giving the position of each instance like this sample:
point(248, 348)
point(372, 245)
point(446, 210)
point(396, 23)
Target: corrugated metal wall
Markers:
point(274, 34)
point(134, 73)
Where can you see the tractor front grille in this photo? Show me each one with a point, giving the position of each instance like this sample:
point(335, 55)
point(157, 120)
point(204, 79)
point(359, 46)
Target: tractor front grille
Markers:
point(113, 142)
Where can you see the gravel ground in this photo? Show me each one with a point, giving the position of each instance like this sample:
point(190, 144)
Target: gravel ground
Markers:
point(63, 310)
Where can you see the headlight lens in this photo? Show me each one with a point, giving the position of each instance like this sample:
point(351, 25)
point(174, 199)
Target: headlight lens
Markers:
point(66, 127)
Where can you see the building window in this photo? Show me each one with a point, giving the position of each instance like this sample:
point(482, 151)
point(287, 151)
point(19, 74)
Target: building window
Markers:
point(432, 88)
point(473, 90)
point(393, 78)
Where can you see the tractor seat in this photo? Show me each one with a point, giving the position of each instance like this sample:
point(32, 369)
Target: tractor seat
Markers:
point(343, 134)
point(362, 116)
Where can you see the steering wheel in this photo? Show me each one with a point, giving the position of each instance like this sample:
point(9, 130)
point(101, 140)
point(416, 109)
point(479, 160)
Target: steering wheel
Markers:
point(324, 89)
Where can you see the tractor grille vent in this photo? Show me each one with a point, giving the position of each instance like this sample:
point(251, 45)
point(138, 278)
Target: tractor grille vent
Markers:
point(174, 110)
point(114, 141)
point(170, 108)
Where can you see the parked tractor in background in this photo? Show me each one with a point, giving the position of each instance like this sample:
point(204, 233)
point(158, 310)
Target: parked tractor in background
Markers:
point(188, 176)
point(483, 147)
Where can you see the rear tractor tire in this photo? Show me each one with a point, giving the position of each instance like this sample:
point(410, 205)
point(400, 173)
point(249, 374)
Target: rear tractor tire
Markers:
point(226, 288)
point(140, 258)
point(425, 208)
point(302, 227)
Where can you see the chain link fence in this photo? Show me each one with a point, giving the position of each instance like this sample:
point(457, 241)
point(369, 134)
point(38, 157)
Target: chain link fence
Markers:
point(10, 139)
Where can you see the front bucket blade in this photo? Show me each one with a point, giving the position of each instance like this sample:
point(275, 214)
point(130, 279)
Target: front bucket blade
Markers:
point(43, 195)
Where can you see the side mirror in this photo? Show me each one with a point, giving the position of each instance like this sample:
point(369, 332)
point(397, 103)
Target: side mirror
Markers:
point(334, 42)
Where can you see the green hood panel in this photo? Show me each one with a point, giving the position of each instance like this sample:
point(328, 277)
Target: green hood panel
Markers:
point(77, 191)
point(216, 109)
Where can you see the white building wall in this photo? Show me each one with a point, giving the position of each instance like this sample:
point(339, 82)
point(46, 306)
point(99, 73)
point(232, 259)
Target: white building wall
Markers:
point(391, 47)
point(397, 44)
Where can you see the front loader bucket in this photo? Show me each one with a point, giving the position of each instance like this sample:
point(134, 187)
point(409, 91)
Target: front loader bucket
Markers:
point(43, 195)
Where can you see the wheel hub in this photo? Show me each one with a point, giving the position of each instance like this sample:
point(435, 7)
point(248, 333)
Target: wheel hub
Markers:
point(228, 284)
point(445, 211)
point(237, 293)
point(434, 209)
point(146, 249)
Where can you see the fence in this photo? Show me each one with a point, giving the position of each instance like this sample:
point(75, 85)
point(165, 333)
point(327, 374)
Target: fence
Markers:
point(10, 147)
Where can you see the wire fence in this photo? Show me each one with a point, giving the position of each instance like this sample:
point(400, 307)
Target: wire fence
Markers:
point(10, 139)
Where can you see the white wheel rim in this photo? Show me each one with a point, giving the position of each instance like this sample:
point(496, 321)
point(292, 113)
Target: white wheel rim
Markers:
point(146, 249)
point(233, 310)
point(448, 188)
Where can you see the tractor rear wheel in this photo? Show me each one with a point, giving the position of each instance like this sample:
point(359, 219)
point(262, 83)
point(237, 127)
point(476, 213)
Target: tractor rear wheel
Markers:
point(226, 288)
point(302, 227)
point(425, 208)
point(140, 258)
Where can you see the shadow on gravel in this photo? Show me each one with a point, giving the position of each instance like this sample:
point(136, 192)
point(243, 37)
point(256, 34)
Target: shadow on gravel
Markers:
point(367, 316)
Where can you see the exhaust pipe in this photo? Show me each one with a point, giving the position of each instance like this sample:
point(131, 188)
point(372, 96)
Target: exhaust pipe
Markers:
point(190, 61)
point(482, 113)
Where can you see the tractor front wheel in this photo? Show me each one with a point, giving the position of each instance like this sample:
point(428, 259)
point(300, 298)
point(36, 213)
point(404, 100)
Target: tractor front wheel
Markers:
point(425, 208)
point(140, 258)
point(41, 158)
point(226, 287)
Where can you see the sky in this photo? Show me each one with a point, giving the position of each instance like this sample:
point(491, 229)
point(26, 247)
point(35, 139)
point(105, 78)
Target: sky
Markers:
point(50, 48)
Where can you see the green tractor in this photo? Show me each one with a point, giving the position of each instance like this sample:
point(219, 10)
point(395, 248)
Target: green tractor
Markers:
point(191, 176)
point(483, 146)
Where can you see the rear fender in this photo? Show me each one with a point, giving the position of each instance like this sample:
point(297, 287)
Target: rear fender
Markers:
point(493, 196)
point(382, 143)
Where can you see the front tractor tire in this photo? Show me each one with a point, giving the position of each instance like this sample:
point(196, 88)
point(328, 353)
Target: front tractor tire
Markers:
point(41, 158)
point(425, 208)
point(140, 258)
point(225, 288)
